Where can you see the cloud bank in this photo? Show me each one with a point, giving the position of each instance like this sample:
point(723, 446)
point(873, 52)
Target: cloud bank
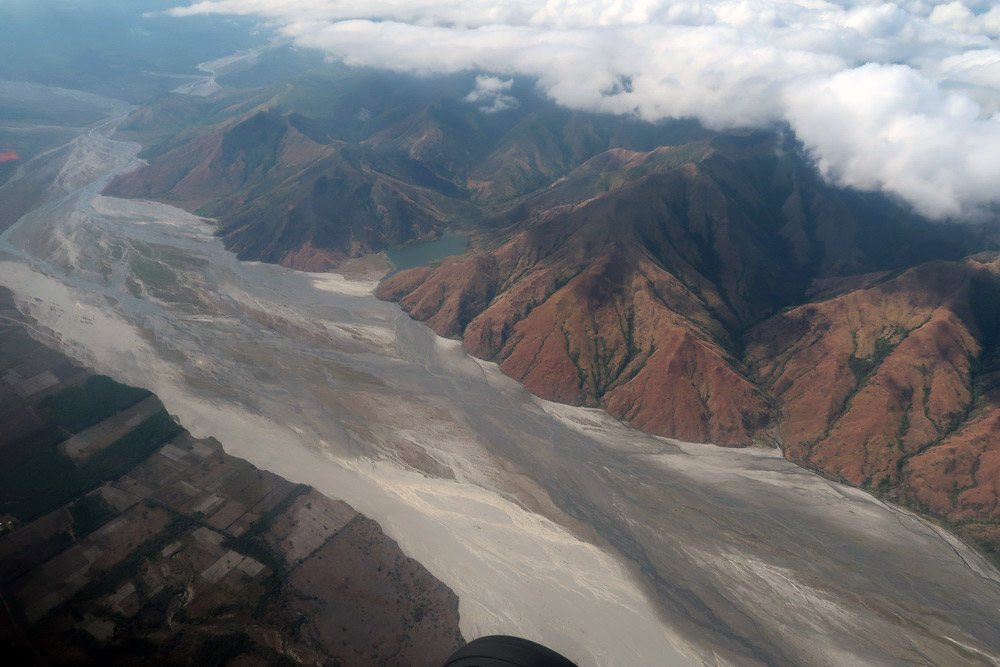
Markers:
point(900, 96)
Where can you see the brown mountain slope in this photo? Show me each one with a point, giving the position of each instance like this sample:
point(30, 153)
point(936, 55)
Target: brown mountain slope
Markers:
point(710, 293)
point(282, 197)
point(341, 161)
point(626, 284)
point(959, 477)
point(585, 312)
point(873, 375)
point(497, 158)
point(883, 386)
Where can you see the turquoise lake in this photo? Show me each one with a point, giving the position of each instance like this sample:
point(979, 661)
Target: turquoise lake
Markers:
point(427, 252)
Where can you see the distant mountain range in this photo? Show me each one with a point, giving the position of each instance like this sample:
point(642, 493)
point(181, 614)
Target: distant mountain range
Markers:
point(305, 174)
point(704, 286)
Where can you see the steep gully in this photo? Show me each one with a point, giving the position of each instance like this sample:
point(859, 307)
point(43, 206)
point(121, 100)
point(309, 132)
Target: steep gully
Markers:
point(525, 508)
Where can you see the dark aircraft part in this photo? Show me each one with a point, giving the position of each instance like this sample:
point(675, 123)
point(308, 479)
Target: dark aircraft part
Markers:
point(504, 651)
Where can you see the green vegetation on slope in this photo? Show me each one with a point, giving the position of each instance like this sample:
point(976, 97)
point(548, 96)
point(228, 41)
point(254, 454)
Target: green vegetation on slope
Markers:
point(862, 367)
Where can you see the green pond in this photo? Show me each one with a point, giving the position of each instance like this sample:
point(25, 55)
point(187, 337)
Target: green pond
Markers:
point(427, 252)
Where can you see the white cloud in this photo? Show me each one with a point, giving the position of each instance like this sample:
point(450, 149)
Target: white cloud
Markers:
point(491, 95)
point(887, 127)
point(901, 97)
point(961, 17)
